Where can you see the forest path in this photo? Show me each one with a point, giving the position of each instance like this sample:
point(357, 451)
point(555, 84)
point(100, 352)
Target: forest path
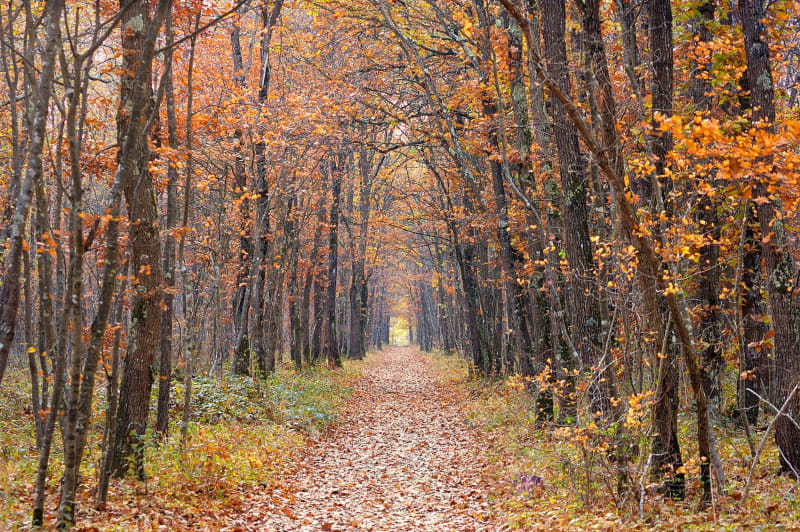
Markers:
point(400, 459)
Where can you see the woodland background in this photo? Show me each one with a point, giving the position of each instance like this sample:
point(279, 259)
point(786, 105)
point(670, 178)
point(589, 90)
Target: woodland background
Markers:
point(208, 206)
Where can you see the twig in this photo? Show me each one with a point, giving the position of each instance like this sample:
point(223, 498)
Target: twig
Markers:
point(641, 486)
point(774, 408)
point(764, 441)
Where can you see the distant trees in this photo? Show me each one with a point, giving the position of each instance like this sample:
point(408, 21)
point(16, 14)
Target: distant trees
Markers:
point(194, 188)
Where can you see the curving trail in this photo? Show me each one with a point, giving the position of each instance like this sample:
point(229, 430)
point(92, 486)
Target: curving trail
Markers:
point(401, 459)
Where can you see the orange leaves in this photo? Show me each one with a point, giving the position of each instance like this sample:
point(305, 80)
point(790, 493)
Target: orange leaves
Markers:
point(673, 124)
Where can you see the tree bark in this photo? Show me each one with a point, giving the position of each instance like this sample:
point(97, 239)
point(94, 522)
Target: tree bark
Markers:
point(779, 265)
point(584, 308)
point(10, 285)
point(139, 34)
point(165, 347)
point(330, 346)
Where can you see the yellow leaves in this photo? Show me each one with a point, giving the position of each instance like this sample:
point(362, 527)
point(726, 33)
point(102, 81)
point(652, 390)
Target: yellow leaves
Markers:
point(672, 289)
point(515, 382)
point(638, 405)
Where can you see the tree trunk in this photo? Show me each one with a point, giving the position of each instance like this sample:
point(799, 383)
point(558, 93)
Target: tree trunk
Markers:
point(138, 43)
point(757, 363)
point(112, 397)
point(330, 347)
point(515, 298)
point(667, 459)
point(584, 306)
point(779, 265)
point(10, 285)
point(241, 301)
point(165, 358)
point(261, 243)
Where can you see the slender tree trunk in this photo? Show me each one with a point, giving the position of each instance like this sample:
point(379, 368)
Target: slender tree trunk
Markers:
point(711, 325)
point(30, 349)
point(295, 311)
point(10, 285)
point(81, 386)
point(112, 399)
point(515, 304)
point(189, 308)
point(330, 345)
point(47, 329)
point(261, 245)
point(165, 348)
point(757, 370)
point(305, 309)
point(358, 288)
point(241, 301)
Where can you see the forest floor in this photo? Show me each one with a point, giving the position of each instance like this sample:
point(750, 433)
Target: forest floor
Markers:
point(244, 433)
point(400, 441)
point(401, 458)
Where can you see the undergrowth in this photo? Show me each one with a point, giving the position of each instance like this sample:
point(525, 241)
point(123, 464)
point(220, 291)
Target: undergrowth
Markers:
point(243, 433)
point(578, 485)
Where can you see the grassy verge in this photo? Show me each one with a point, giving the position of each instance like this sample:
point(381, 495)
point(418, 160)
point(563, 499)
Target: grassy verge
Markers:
point(243, 434)
point(577, 490)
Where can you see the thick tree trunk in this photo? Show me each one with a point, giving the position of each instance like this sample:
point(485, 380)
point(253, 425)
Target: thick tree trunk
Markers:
point(138, 186)
point(780, 268)
point(585, 315)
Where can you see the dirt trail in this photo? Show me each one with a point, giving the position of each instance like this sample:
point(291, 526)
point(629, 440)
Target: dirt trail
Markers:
point(401, 459)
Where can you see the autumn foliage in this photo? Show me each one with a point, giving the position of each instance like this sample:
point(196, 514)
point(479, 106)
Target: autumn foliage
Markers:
point(592, 203)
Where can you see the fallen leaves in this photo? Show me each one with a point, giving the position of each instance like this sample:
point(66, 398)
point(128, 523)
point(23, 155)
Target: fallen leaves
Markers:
point(401, 459)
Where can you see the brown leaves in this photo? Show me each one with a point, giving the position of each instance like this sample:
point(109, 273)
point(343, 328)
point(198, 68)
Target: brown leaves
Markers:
point(401, 459)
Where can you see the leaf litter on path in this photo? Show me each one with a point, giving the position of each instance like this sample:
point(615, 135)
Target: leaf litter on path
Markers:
point(400, 459)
